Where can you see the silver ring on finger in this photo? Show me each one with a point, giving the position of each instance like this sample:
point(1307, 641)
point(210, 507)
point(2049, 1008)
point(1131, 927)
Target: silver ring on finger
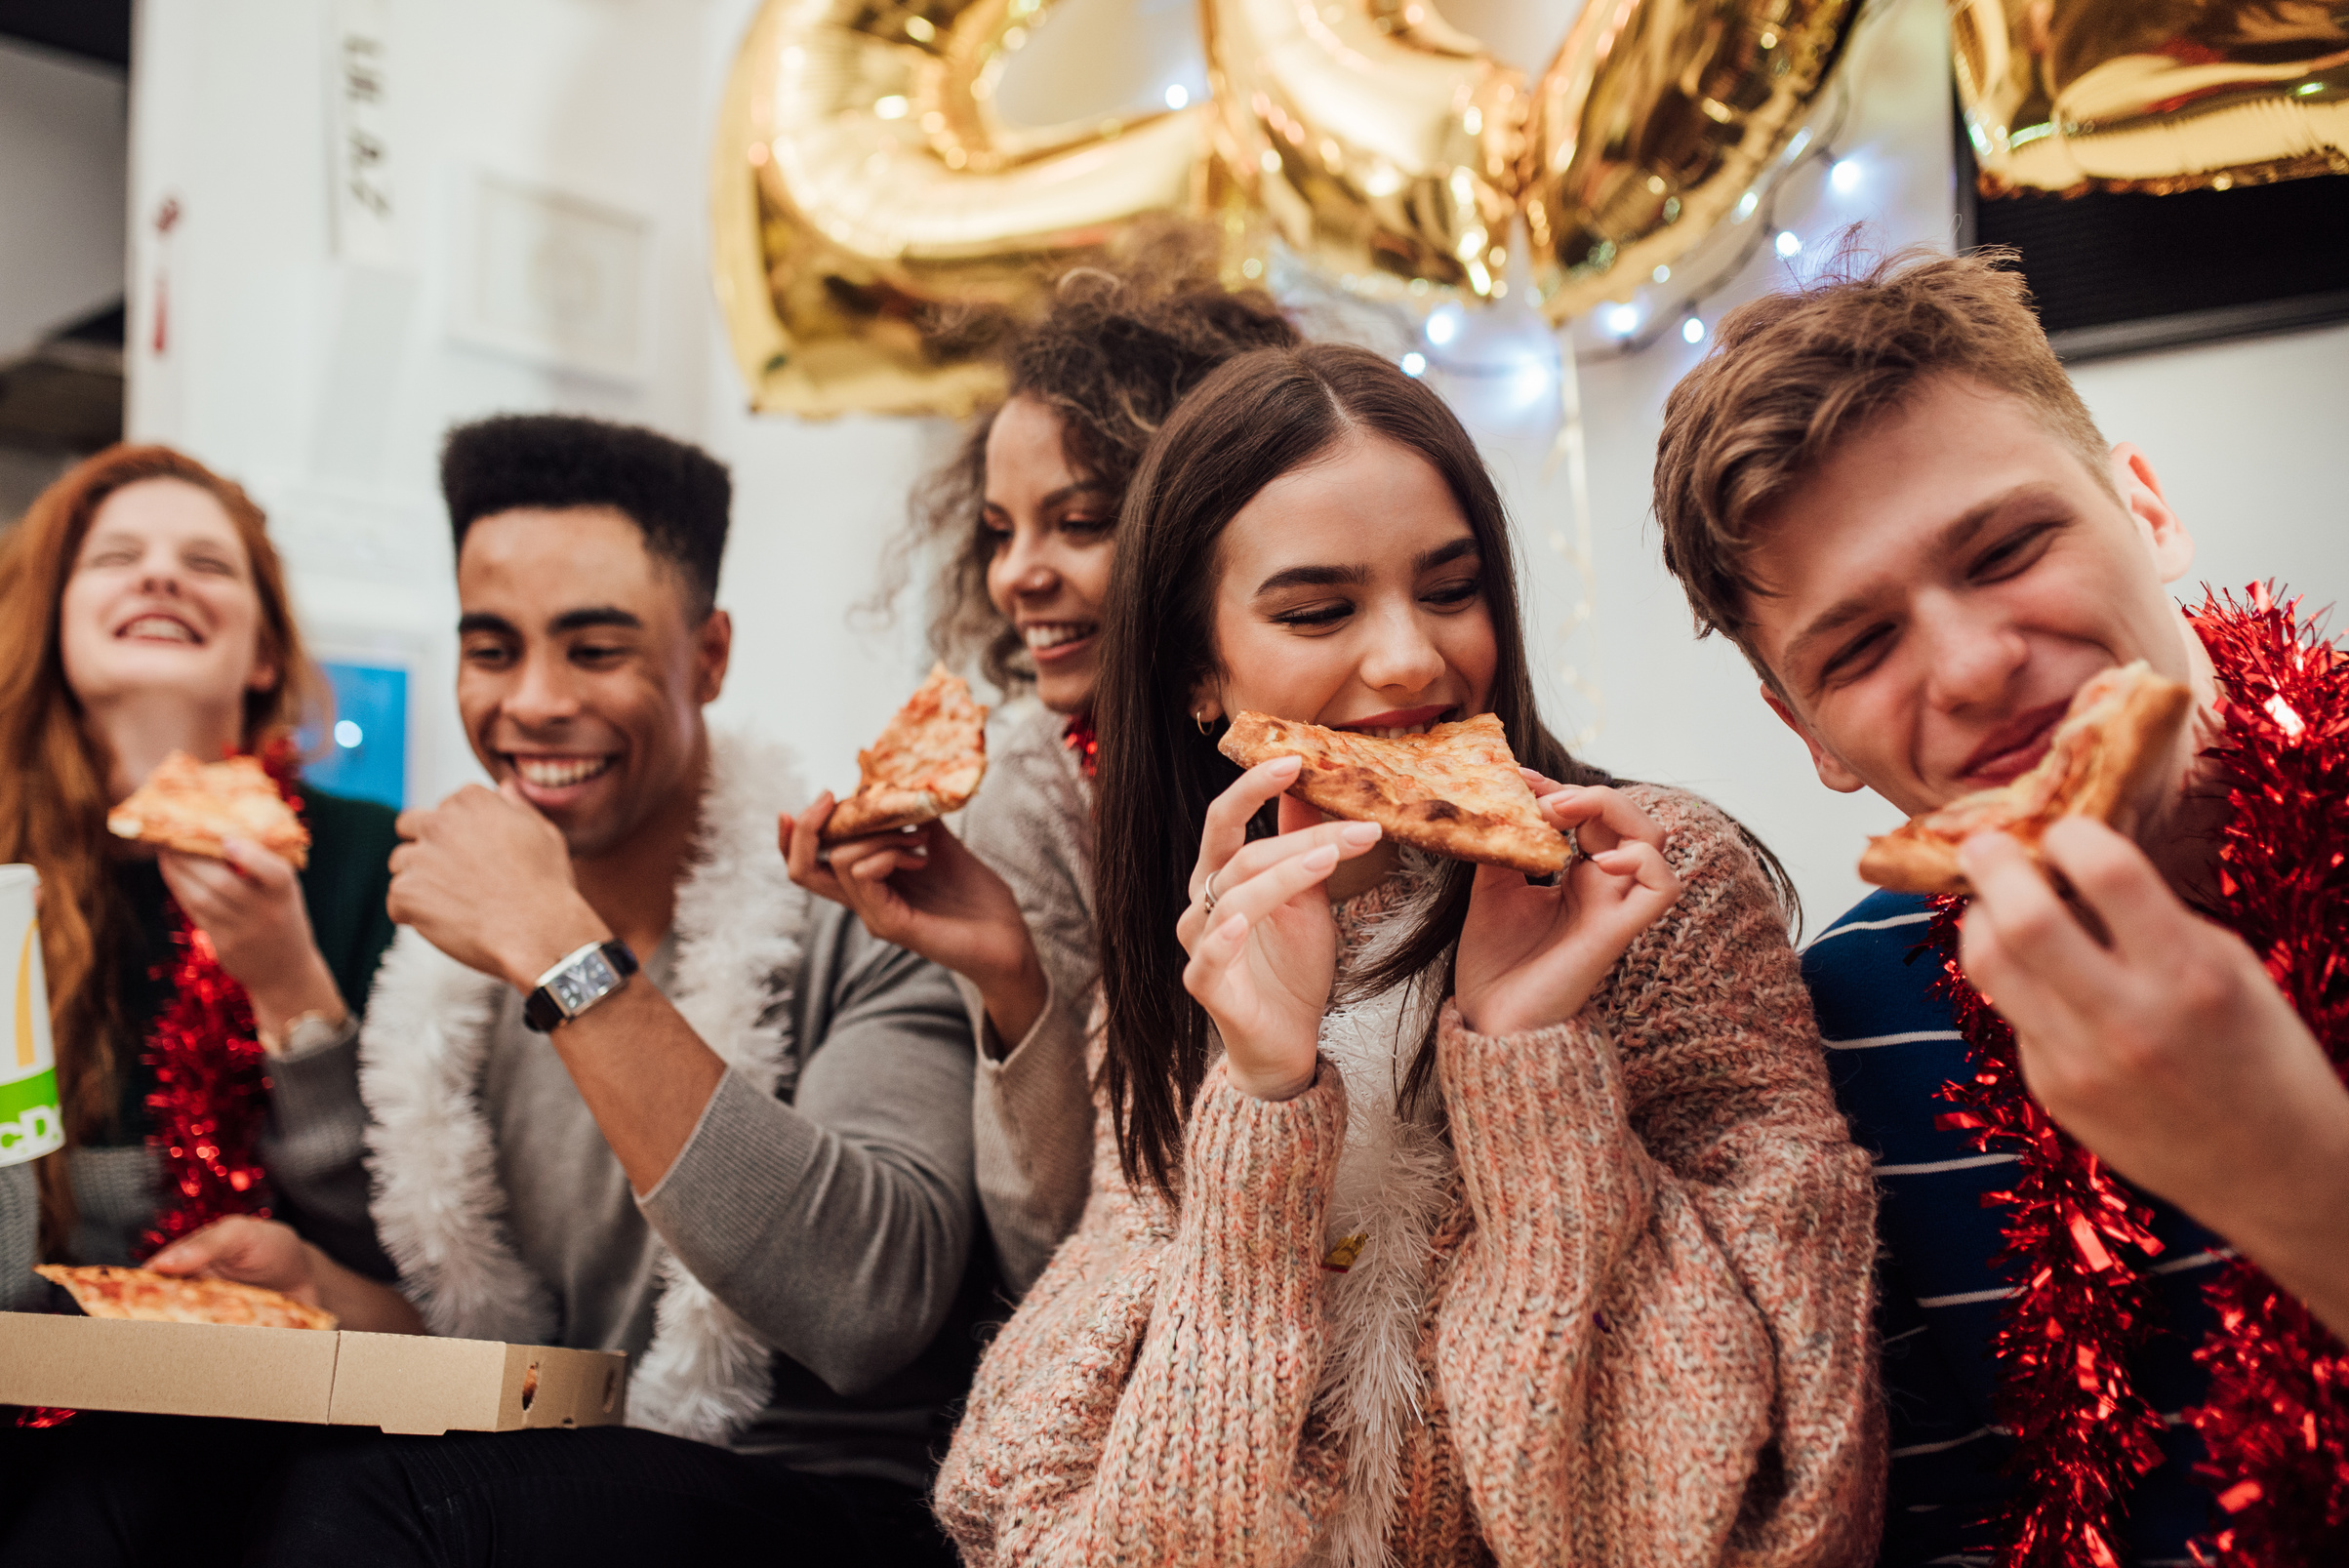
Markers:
point(1207, 893)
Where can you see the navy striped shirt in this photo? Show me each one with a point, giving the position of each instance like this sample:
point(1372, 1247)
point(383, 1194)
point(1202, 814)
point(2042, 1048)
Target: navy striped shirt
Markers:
point(1891, 1045)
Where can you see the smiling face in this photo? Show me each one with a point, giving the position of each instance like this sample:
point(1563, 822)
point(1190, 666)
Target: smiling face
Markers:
point(579, 675)
point(1052, 551)
point(162, 600)
point(1352, 595)
point(1942, 585)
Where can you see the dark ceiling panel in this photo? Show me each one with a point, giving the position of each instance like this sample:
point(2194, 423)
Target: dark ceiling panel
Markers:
point(95, 29)
point(2118, 272)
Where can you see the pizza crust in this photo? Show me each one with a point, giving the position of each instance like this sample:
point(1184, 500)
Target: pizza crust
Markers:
point(2118, 731)
point(881, 810)
point(191, 806)
point(105, 1291)
point(1454, 791)
point(928, 762)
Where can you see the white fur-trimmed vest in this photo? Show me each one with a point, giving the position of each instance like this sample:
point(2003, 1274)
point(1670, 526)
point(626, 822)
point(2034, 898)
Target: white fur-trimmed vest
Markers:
point(437, 1203)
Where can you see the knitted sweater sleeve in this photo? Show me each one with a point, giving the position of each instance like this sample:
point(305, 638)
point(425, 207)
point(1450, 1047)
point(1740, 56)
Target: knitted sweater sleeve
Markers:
point(1149, 1402)
point(1655, 1343)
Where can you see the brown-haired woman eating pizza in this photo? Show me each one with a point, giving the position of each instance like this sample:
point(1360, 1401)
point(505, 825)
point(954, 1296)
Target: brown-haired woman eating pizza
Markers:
point(1444, 1216)
point(1026, 518)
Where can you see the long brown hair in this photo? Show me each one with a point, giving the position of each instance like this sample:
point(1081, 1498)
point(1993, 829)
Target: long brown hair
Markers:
point(1120, 344)
point(1261, 416)
point(53, 792)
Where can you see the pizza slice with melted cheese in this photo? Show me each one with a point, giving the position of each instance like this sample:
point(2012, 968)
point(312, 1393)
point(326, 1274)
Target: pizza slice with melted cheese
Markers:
point(141, 1293)
point(928, 761)
point(2118, 730)
point(192, 806)
point(1454, 791)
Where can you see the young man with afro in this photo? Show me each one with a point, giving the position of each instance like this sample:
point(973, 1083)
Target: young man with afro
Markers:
point(631, 1090)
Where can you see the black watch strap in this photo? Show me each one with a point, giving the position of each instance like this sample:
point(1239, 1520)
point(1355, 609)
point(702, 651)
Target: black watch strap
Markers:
point(577, 982)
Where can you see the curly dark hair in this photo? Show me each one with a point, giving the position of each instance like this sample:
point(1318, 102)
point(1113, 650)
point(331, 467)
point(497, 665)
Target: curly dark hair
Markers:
point(678, 494)
point(1120, 344)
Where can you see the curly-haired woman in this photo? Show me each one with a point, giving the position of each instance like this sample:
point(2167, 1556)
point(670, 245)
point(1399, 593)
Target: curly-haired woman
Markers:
point(1025, 518)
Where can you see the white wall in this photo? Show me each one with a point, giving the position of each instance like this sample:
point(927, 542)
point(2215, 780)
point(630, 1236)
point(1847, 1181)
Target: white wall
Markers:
point(327, 383)
point(63, 124)
point(2240, 435)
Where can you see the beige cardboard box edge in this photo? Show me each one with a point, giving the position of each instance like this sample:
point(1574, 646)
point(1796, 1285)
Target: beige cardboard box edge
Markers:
point(400, 1382)
point(405, 1382)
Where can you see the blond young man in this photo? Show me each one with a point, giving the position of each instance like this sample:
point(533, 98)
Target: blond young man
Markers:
point(1886, 492)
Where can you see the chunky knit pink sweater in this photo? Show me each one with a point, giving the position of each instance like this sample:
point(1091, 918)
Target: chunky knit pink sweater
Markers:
point(1648, 1338)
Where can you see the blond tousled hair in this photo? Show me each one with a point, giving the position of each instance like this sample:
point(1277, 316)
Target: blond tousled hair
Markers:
point(1793, 373)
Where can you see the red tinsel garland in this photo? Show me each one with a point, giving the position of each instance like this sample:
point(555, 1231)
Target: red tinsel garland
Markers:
point(1078, 737)
point(211, 1090)
point(2084, 1308)
point(212, 1085)
point(2276, 1420)
point(2276, 1425)
point(210, 1098)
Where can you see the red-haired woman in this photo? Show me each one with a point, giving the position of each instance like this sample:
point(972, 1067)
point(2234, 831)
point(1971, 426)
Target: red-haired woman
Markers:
point(141, 612)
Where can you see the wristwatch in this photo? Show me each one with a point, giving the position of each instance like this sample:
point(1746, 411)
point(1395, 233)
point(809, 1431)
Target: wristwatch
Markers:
point(577, 981)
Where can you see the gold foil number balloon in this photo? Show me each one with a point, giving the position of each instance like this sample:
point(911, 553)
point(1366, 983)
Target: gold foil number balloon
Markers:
point(1380, 142)
point(1653, 122)
point(876, 220)
point(2157, 97)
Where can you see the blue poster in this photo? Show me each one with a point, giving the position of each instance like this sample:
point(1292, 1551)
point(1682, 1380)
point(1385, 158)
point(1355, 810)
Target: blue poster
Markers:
point(366, 755)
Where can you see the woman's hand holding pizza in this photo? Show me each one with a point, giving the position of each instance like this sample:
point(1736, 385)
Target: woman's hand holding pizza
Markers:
point(249, 1251)
point(1532, 956)
point(1264, 957)
point(928, 894)
point(269, 1254)
point(250, 908)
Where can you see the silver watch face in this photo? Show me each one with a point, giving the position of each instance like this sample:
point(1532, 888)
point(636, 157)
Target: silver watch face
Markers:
point(583, 982)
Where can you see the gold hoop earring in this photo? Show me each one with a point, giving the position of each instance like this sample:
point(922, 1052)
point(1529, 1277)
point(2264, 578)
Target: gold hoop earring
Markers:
point(1201, 719)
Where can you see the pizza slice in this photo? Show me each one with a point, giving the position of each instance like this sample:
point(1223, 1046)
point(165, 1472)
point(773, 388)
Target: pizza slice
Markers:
point(1455, 790)
point(191, 806)
point(928, 761)
point(142, 1293)
point(2118, 730)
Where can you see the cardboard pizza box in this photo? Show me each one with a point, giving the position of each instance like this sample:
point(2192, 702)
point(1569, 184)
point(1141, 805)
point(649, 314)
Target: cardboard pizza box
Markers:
point(400, 1382)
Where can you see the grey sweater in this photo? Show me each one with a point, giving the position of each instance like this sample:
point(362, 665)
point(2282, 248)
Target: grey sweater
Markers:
point(310, 1146)
point(837, 1217)
point(1032, 1113)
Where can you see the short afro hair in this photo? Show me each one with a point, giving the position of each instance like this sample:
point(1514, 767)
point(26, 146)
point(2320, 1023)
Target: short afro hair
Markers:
point(678, 494)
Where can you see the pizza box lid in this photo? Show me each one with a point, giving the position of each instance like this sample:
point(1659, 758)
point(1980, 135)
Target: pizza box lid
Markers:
point(400, 1382)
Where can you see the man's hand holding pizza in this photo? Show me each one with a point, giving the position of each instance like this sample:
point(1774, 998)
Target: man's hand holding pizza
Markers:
point(488, 881)
point(2167, 1050)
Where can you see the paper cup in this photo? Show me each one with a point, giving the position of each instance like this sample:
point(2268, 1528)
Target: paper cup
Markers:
point(31, 1122)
